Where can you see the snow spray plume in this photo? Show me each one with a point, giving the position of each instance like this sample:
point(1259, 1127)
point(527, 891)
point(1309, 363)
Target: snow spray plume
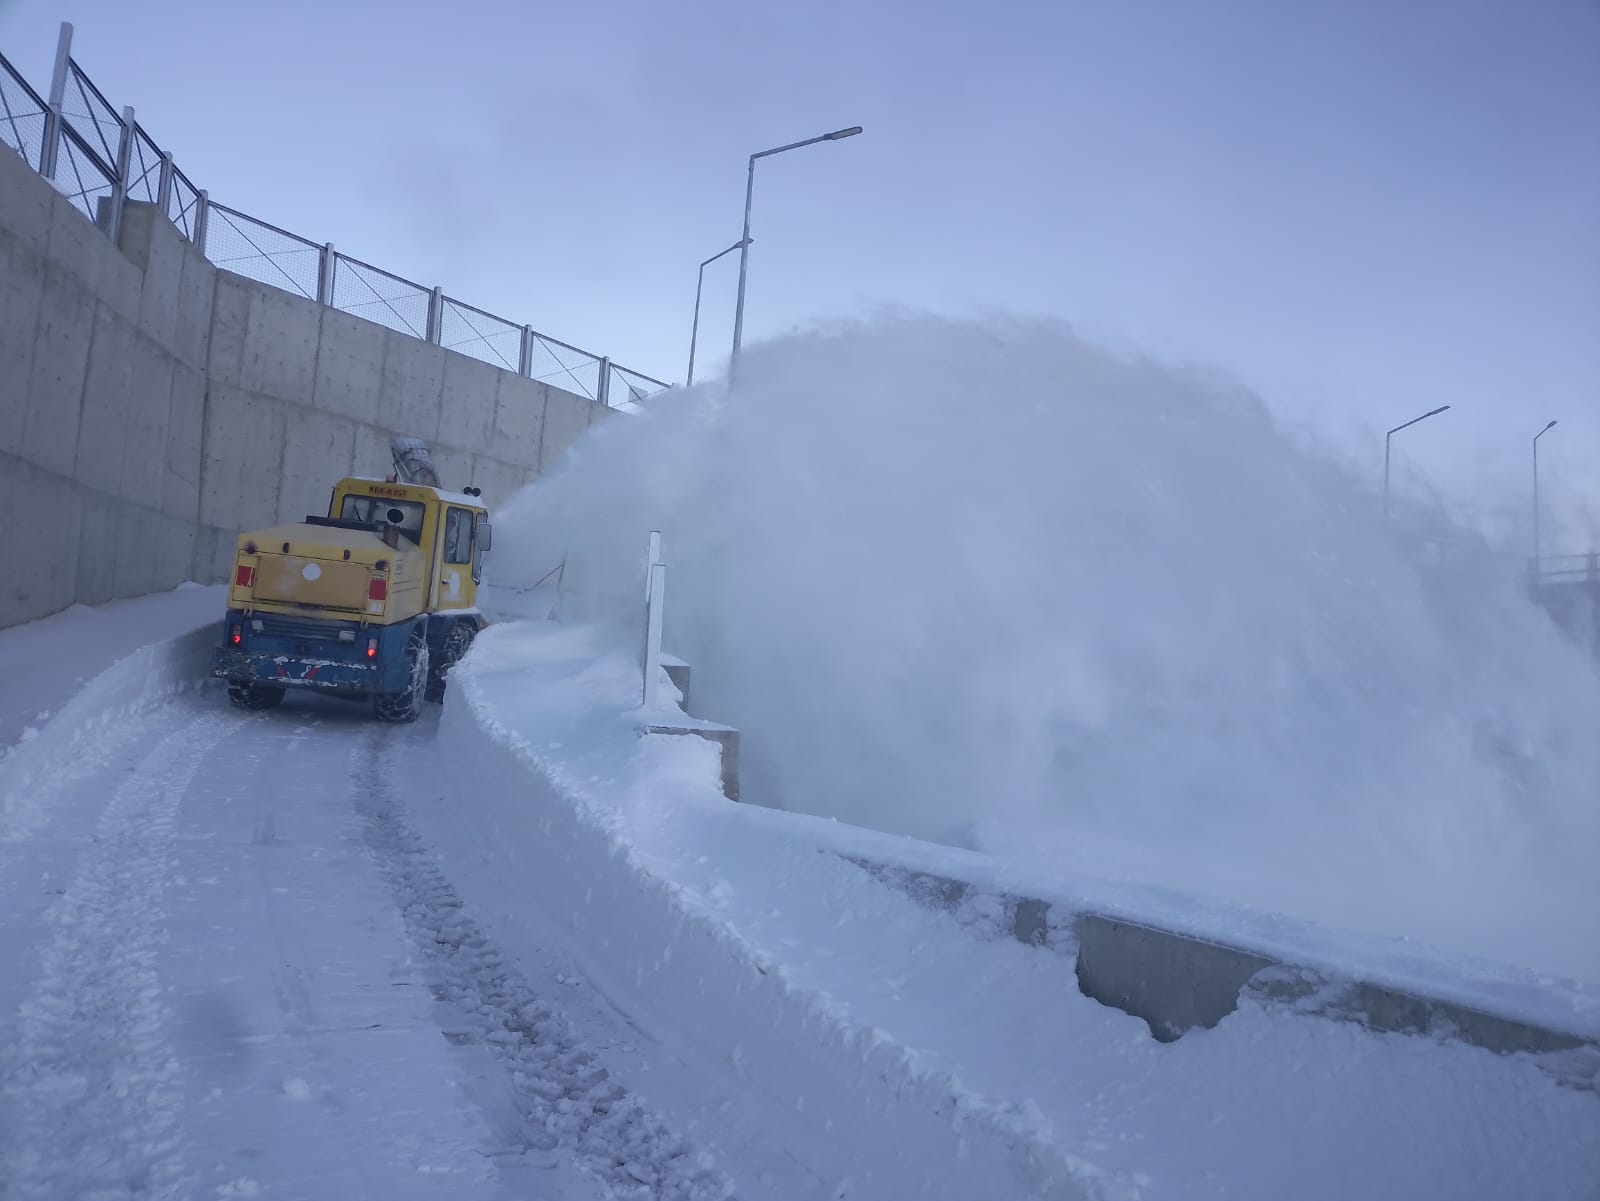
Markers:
point(990, 585)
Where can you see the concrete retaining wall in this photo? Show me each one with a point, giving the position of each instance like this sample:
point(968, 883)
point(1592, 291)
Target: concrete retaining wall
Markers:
point(152, 406)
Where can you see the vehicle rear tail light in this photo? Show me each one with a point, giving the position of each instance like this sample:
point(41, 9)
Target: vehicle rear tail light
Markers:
point(245, 576)
point(236, 634)
point(378, 588)
point(372, 648)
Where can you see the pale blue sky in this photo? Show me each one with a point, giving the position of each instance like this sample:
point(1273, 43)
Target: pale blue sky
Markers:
point(1364, 208)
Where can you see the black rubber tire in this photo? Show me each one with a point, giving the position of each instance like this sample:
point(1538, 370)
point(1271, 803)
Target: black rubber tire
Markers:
point(457, 641)
point(406, 706)
point(247, 695)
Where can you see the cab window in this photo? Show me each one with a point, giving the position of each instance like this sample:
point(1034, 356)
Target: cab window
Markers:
point(405, 515)
point(458, 536)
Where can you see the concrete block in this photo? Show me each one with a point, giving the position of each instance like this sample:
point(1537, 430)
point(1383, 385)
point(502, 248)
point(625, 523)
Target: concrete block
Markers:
point(370, 456)
point(454, 466)
point(138, 222)
point(180, 484)
point(349, 368)
point(413, 382)
point(107, 399)
point(317, 454)
point(599, 413)
point(174, 552)
point(519, 419)
point(230, 317)
point(214, 551)
point(242, 459)
point(566, 417)
point(119, 284)
point(56, 375)
point(22, 272)
point(144, 448)
point(38, 541)
point(191, 333)
point(280, 345)
point(26, 201)
point(500, 481)
point(97, 550)
point(154, 245)
point(467, 411)
point(137, 550)
point(1172, 982)
point(76, 245)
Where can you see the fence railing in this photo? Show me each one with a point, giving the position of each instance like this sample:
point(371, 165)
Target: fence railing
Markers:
point(100, 159)
point(1566, 569)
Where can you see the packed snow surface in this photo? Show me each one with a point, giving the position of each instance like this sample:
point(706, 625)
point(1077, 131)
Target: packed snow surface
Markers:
point(517, 950)
point(989, 585)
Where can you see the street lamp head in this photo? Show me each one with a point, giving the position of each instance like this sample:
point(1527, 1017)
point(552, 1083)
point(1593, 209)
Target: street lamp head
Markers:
point(1436, 412)
point(1551, 426)
point(842, 133)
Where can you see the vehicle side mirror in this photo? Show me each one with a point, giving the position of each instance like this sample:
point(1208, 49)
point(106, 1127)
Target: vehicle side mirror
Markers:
point(485, 535)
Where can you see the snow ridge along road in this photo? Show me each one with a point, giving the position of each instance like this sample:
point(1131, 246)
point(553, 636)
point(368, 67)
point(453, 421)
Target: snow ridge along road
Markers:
point(568, 1102)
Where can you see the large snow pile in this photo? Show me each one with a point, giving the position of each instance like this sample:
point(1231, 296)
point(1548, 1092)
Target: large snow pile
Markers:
point(990, 585)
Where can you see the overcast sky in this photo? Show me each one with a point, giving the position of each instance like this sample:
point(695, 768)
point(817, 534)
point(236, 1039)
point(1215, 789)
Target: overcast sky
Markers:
point(1363, 208)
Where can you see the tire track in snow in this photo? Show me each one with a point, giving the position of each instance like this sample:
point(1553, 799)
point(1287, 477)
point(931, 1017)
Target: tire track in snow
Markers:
point(566, 1101)
point(91, 1086)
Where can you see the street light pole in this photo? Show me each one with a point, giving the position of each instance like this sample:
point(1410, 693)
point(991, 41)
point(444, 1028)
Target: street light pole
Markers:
point(1536, 549)
point(694, 330)
point(744, 242)
point(1391, 434)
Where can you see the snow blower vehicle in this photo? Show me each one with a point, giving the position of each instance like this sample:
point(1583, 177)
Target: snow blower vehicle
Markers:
point(375, 601)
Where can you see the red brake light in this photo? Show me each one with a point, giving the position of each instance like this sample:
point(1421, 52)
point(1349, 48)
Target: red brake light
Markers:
point(378, 588)
point(245, 576)
point(372, 648)
point(236, 635)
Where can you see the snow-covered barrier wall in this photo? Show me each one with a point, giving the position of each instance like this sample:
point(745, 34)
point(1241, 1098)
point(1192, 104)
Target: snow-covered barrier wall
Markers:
point(152, 406)
point(901, 1032)
point(76, 735)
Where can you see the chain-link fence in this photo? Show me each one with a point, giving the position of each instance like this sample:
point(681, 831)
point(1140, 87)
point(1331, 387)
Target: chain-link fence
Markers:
point(23, 115)
point(101, 159)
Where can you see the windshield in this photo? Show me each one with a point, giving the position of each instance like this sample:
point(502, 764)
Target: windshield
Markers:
point(381, 510)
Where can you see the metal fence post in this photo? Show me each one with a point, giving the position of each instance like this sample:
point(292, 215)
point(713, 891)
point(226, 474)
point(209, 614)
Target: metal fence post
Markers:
point(602, 391)
point(652, 634)
point(164, 191)
point(202, 213)
point(326, 261)
point(119, 186)
point(436, 316)
point(525, 359)
point(58, 98)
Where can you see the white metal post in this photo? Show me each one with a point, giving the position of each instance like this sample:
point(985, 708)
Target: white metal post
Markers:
point(119, 185)
point(202, 215)
point(164, 191)
point(58, 98)
point(525, 359)
point(603, 388)
point(436, 316)
point(653, 557)
point(327, 262)
point(652, 636)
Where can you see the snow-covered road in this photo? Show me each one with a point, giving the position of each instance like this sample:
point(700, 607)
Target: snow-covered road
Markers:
point(515, 951)
point(240, 973)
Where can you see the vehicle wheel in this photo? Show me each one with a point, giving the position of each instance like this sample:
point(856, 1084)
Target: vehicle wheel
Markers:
point(457, 640)
point(254, 696)
point(405, 706)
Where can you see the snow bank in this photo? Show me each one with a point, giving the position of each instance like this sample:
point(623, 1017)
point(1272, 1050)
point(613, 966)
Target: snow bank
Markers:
point(899, 1050)
point(45, 662)
point(539, 831)
point(91, 722)
point(988, 585)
